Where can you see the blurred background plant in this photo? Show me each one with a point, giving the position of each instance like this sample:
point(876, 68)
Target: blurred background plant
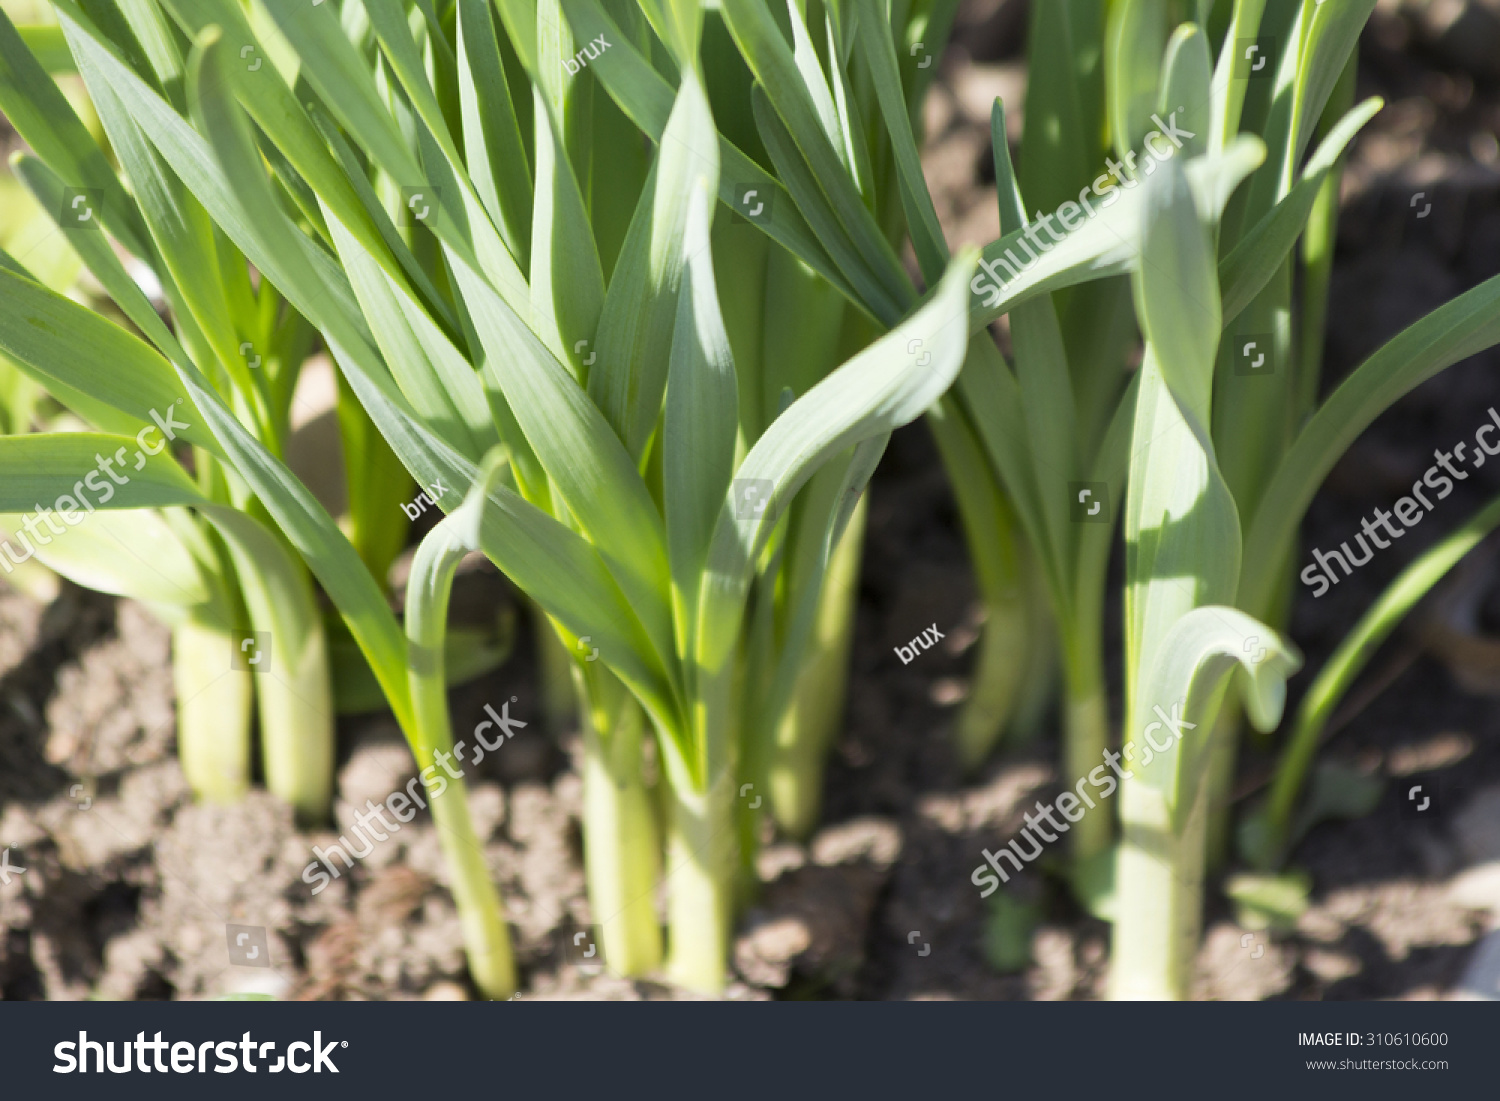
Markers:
point(1105, 77)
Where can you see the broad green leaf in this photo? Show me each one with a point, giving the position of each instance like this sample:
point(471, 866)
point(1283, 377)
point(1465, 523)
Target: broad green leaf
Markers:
point(1273, 828)
point(1183, 685)
point(1186, 74)
point(281, 116)
point(1060, 153)
point(646, 98)
point(873, 293)
point(562, 572)
point(1136, 38)
point(885, 386)
point(1453, 332)
point(110, 378)
point(589, 466)
point(1182, 532)
point(1261, 251)
point(1107, 242)
point(567, 281)
point(874, 35)
point(1178, 291)
point(1228, 88)
point(41, 114)
point(129, 552)
point(432, 375)
point(775, 68)
point(678, 23)
point(698, 434)
point(88, 470)
point(641, 309)
point(1332, 35)
point(1047, 402)
point(493, 148)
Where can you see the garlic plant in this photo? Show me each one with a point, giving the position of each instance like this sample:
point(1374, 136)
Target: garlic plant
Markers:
point(1222, 472)
point(604, 482)
point(222, 367)
point(1266, 834)
point(1212, 191)
point(1012, 440)
point(213, 597)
